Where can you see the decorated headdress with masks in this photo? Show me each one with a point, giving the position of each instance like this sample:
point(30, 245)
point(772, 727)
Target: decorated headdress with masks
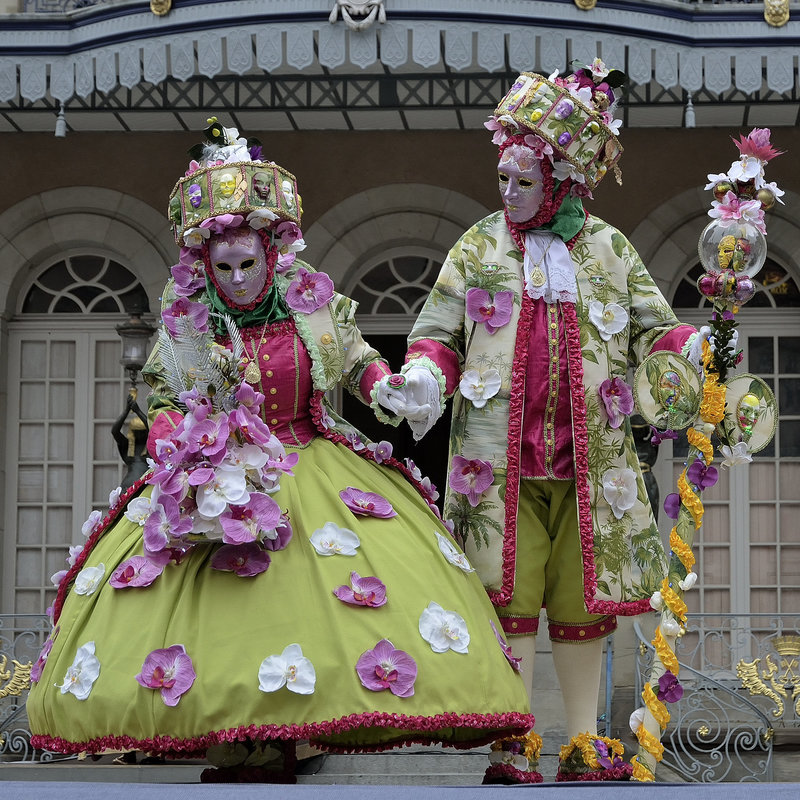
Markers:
point(227, 177)
point(569, 120)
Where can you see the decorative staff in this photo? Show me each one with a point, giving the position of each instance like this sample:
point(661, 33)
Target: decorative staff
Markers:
point(693, 391)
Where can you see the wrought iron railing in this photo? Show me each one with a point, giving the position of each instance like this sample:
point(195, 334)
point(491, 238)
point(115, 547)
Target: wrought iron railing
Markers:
point(61, 6)
point(741, 677)
point(22, 636)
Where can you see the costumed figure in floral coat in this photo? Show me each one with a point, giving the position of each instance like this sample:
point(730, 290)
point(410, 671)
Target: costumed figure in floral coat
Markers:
point(274, 576)
point(536, 316)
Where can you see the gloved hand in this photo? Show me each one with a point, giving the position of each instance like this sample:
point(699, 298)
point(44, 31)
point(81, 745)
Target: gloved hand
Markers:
point(417, 398)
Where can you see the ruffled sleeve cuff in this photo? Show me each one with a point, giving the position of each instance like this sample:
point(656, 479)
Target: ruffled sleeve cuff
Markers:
point(439, 359)
point(369, 389)
point(676, 340)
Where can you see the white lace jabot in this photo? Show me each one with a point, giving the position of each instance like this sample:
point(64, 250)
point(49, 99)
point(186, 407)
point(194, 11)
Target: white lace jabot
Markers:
point(549, 272)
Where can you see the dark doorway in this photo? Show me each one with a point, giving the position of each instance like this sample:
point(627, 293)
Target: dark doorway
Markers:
point(429, 454)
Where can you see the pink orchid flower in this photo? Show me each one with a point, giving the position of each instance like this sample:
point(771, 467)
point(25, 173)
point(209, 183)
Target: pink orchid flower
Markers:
point(169, 670)
point(369, 591)
point(367, 504)
point(209, 438)
point(381, 451)
point(242, 524)
point(246, 560)
point(385, 667)
point(283, 535)
point(732, 210)
point(516, 663)
point(617, 398)
point(196, 313)
point(135, 572)
point(471, 477)
point(164, 524)
point(309, 291)
point(219, 223)
point(248, 397)
point(493, 312)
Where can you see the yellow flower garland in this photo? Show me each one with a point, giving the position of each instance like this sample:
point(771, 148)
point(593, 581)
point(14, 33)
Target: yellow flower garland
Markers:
point(640, 772)
point(681, 550)
point(673, 601)
point(657, 708)
point(665, 653)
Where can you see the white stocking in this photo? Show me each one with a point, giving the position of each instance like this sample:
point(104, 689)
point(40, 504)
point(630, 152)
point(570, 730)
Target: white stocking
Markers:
point(578, 669)
point(524, 647)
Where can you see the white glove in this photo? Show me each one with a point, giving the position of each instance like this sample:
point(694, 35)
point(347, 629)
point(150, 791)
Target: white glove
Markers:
point(695, 354)
point(424, 404)
point(417, 399)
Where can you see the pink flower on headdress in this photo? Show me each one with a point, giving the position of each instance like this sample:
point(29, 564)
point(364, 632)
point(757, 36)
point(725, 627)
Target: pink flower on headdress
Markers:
point(289, 233)
point(732, 210)
point(309, 291)
point(219, 223)
point(500, 132)
point(471, 477)
point(193, 167)
point(196, 313)
point(493, 312)
point(539, 146)
point(757, 144)
point(189, 273)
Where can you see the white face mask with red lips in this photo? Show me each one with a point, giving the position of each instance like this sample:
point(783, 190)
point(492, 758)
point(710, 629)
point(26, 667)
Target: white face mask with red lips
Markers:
point(521, 183)
point(240, 268)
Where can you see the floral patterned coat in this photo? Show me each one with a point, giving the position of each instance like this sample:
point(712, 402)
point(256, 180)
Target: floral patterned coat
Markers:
point(623, 558)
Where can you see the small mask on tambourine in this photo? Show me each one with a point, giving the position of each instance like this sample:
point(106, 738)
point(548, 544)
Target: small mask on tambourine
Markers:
point(751, 413)
point(667, 391)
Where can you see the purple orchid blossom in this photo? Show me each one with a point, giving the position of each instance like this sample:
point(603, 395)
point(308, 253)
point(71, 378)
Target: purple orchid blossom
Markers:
point(283, 535)
point(670, 689)
point(196, 313)
point(385, 667)
point(471, 477)
point(309, 291)
point(701, 476)
point(369, 591)
point(381, 451)
point(246, 560)
point(617, 398)
point(672, 505)
point(243, 524)
point(368, 504)
point(169, 670)
point(493, 312)
point(164, 524)
point(516, 663)
point(657, 436)
point(135, 572)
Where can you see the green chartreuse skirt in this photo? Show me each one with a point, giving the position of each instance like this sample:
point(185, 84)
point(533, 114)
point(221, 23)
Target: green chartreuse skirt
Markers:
point(425, 666)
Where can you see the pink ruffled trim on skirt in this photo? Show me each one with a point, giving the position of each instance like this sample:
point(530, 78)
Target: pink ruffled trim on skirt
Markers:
point(421, 730)
point(102, 527)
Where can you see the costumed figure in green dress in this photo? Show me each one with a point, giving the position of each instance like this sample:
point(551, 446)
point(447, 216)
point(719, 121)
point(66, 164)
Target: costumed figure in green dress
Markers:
point(534, 320)
point(274, 576)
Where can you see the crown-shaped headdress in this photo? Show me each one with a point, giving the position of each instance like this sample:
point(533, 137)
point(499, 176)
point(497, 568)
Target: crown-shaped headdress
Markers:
point(574, 116)
point(228, 176)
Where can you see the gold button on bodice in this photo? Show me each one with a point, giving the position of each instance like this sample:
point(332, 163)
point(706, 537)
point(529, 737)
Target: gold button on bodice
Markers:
point(273, 422)
point(269, 373)
point(265, 356)
point(273, 390)
point(274, 407)
point(326, 338)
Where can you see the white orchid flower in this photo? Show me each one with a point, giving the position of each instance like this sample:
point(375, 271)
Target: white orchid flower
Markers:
point(657, 601)
point(91, 523)
point(194, 237)
point(564, 169)
point(479, 386)
point(290, 669)
point(229, 485)
point(88, 579)
point(636, 720)
point(331, 540)
point(738, 454)
point(443, 630)
point(670, 627)
point(82, 674)
point(259, 218)
point(688, 581)
point(449, 551)
point(138, 510)
point(619, 490)
point(609, 319)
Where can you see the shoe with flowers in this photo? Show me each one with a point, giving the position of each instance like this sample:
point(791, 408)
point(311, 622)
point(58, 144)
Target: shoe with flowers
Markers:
point(589, 757)
point(515, 760)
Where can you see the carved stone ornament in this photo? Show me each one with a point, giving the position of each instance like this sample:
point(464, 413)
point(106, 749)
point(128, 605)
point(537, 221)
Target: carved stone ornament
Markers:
point(588, 5)
point(776, 12)
point(370, 10)
point(161, 7)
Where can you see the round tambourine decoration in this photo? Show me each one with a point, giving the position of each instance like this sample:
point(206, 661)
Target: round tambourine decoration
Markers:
point(667, 391)
point(751, 413)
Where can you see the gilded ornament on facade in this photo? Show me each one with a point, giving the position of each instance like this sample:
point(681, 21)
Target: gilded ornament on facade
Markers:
point(587, 5)
point(783, 678)
point(160, 7)
point(14, 684)
point(776, 12)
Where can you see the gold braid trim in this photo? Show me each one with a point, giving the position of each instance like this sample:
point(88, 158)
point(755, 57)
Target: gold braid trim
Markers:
point(655, 706)
point(690, 500)
point(664, 652)
point(650, 743)
point(712, 406)
point(640, 772)
point(673, 602)
point(681, 549)
point(702, 443)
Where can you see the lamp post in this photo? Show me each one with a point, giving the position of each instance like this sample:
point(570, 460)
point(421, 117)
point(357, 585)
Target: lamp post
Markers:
point(135, 334)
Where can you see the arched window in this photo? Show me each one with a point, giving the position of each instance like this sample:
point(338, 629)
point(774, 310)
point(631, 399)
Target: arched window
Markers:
point(396, 285)
point(66, 387)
